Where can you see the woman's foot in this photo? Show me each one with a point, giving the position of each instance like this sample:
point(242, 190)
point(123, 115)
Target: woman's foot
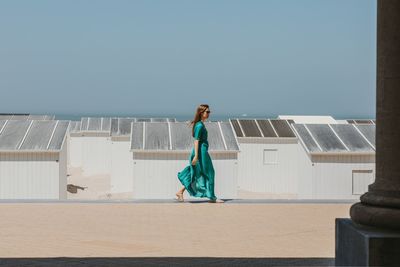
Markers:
point(179, 197)
point(216, 201)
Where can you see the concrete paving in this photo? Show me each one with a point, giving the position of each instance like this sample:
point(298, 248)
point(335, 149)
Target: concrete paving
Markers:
point(157, 234)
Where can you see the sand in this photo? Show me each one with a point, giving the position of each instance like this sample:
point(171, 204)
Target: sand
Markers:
point(168, 229)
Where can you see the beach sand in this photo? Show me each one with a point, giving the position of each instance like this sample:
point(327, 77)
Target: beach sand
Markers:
point(168, 229)
point(190, 229)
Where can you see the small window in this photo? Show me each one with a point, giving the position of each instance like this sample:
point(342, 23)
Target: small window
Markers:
point(361, 180)
point(270, 156)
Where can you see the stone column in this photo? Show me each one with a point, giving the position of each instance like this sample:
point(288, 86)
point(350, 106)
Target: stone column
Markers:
point(380, 206)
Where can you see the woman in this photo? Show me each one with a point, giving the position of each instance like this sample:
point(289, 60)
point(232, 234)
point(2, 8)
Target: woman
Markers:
point(198, 177)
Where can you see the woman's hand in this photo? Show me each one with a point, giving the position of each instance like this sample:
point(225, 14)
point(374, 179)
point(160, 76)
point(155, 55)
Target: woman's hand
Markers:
point(194, 161)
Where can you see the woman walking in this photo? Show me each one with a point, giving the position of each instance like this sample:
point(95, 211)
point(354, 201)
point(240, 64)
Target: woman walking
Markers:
point(198, 177)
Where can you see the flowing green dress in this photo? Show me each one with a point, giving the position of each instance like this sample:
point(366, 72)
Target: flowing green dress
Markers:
point(199, 179)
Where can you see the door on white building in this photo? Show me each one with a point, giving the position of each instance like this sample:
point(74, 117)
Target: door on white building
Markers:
point(361, 179)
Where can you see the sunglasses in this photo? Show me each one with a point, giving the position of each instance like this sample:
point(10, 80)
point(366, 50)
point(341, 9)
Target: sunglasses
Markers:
point(207, 111)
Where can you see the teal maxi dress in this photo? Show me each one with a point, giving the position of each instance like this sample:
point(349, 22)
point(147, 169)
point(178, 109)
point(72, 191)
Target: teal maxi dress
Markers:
point(199, 179)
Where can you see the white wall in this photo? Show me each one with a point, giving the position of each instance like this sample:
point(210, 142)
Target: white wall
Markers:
point(121, 167)
point(278, 178)
point(75, 151)
point(96, 155)
point(304, 172)
point(30, 175)
point(300, 174)
point(333, 175)
point(63, 170)
point(155, 174)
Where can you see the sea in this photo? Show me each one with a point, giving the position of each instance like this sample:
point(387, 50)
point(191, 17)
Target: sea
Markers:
point(187, 117)
point(180, 117)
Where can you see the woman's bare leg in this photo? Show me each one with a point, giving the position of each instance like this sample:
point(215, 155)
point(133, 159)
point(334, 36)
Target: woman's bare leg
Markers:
point(179, 194)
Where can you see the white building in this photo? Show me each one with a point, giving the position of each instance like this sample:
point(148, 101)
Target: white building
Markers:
point(337, 162)
point(307, 119)
point(268, 156)
point(121, 162)
point(98, 141)
point(121, 156)
point(96, 145)
point(160, 150)
point(33, 159)
point(358, 121)
point(74, 142)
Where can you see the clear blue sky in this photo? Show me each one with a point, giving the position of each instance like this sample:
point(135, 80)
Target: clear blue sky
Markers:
point(165, 57)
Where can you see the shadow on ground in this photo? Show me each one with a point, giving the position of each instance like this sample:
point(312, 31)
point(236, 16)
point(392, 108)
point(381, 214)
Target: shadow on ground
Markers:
point(167, 261)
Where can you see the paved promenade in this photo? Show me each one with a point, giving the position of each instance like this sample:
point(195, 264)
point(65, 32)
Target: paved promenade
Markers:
point(122, 231)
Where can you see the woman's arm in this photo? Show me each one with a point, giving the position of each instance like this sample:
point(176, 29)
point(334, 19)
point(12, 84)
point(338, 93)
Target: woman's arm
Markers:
point(196, 151)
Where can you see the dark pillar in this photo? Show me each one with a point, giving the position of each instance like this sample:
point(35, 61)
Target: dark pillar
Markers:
point(372, 237)
point(380, 206)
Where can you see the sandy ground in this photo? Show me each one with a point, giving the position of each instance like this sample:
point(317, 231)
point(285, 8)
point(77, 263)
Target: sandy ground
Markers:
point(168, 229)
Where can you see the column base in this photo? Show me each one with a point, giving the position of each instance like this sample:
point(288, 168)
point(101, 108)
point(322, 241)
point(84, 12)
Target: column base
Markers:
point(375, 216)
point(358, 245)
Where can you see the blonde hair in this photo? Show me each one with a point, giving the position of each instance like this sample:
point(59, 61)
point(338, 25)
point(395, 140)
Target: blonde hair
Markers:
point(197, 116)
